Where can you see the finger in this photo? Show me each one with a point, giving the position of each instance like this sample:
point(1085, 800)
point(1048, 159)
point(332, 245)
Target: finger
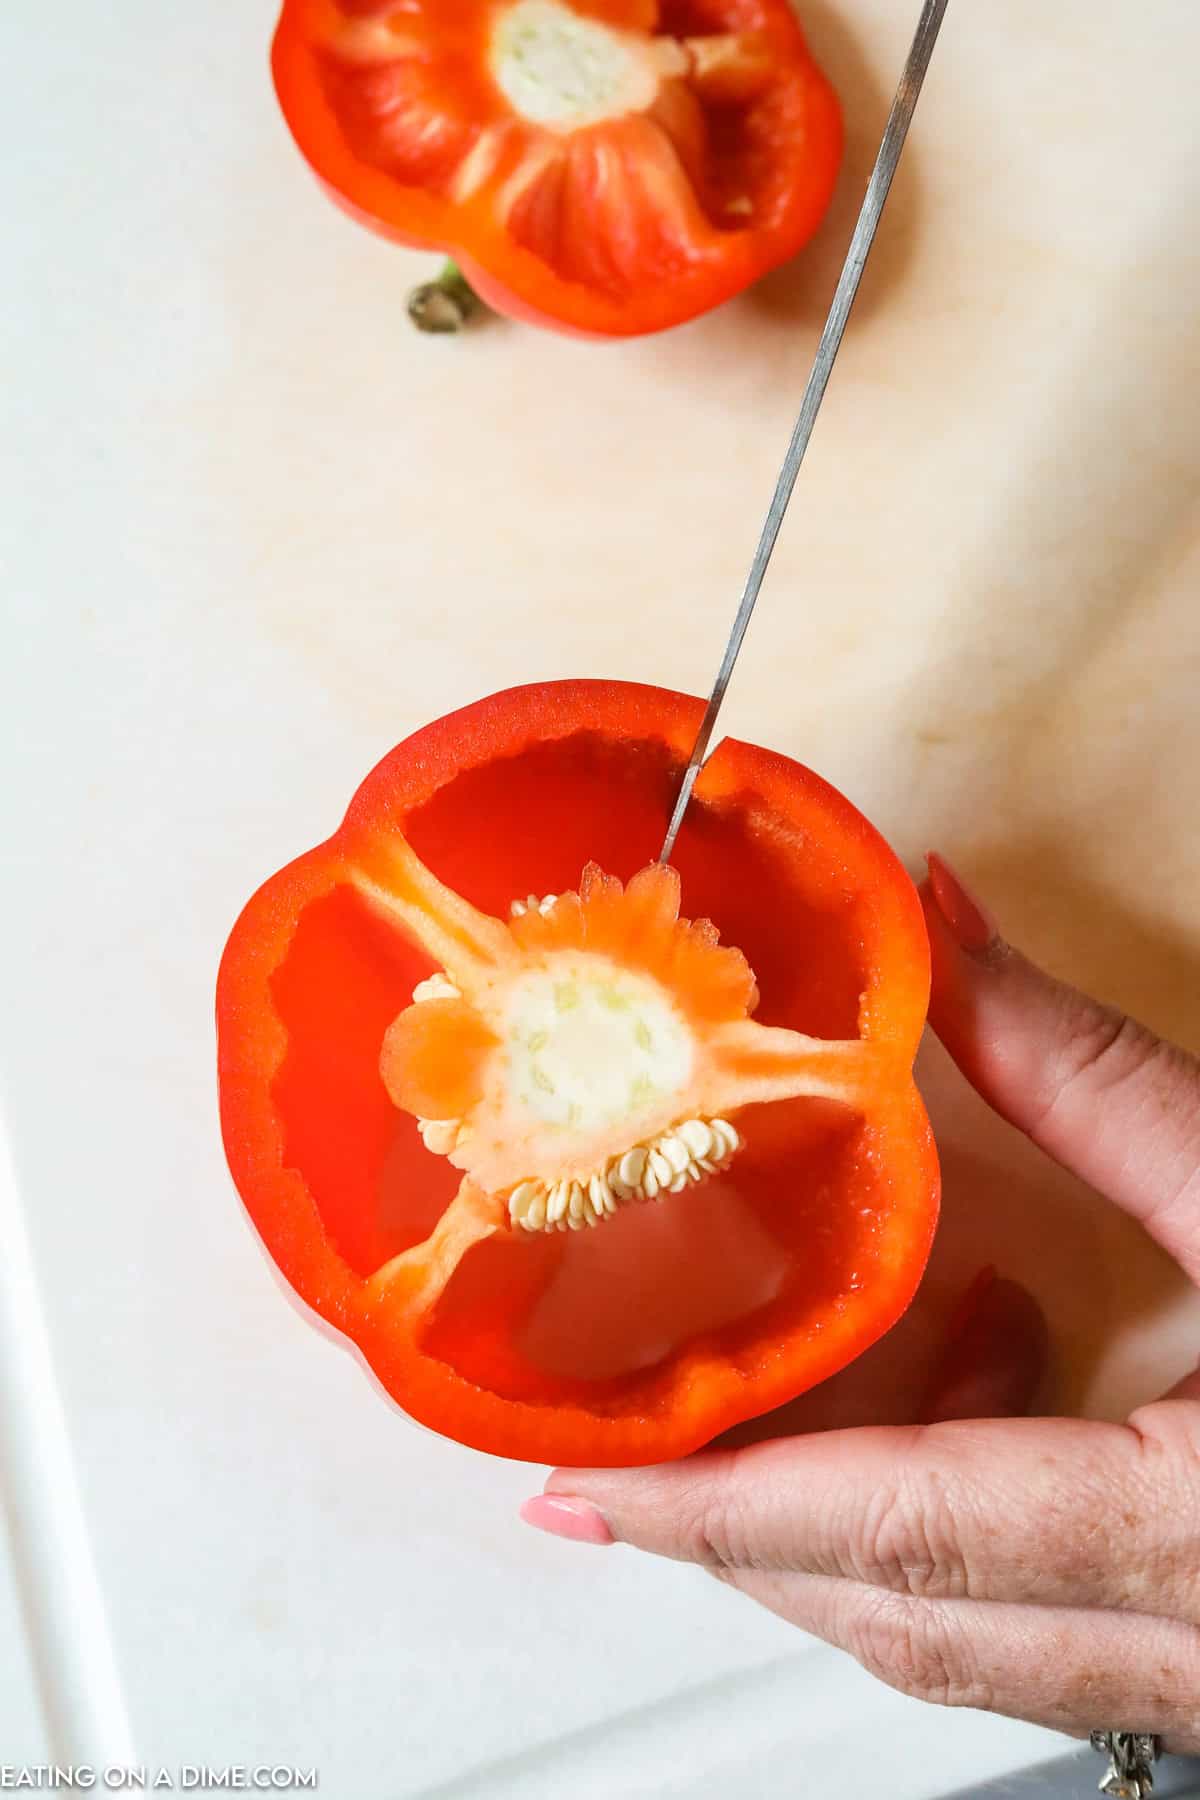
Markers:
point(995, 1357)
point(1048, 1511)
point(986, 1363)
point(1101, 1094)
point(1072, 1670)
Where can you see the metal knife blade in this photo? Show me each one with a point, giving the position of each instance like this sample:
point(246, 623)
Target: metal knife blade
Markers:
point(894, 135)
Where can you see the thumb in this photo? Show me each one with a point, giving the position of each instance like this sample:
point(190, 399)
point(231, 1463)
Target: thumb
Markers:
point(994, 1356)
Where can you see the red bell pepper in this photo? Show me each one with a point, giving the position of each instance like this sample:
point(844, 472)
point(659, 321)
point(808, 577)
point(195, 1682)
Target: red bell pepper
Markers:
point(424, 1166)
point(607, 167)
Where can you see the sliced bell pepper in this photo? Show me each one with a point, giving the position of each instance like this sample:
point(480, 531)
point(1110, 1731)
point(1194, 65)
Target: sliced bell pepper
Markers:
point(607, 167)
point(430, 1094)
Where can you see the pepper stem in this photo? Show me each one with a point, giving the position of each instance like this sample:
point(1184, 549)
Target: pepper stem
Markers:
point(444, 304)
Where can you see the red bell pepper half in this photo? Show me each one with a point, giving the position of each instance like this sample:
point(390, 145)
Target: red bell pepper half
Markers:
point(585, 1182)
point(607, 167)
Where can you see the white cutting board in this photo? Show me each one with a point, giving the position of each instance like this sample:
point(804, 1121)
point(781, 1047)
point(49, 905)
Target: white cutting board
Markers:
point(261, 533)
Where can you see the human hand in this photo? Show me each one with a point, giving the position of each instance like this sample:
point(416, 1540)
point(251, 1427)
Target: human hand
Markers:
point(1048, 1569)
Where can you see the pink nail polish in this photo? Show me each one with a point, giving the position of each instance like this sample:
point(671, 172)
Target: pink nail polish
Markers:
point(972, 1299)
point(972, 925)
point(566, 1517)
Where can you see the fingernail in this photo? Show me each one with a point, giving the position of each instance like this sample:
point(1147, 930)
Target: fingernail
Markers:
point(972, 1299)
point(567, 1518)
point(994, 1355)
point(973, 926)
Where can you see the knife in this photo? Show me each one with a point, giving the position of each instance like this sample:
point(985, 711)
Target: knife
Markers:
point(895, 132)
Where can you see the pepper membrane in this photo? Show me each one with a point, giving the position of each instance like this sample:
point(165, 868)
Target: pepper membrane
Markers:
point(592, 1176)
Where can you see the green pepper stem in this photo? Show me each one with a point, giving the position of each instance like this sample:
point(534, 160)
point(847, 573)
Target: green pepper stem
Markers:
point(444, 304)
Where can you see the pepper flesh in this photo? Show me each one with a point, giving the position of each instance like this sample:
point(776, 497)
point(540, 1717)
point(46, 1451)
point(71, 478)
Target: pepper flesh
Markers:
point(606, 167)
point(643, 1339)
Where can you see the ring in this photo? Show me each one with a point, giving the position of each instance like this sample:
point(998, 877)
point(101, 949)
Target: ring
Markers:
point(1131, 1759)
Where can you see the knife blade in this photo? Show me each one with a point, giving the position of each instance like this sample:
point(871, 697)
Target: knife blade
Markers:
point(895, 132)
